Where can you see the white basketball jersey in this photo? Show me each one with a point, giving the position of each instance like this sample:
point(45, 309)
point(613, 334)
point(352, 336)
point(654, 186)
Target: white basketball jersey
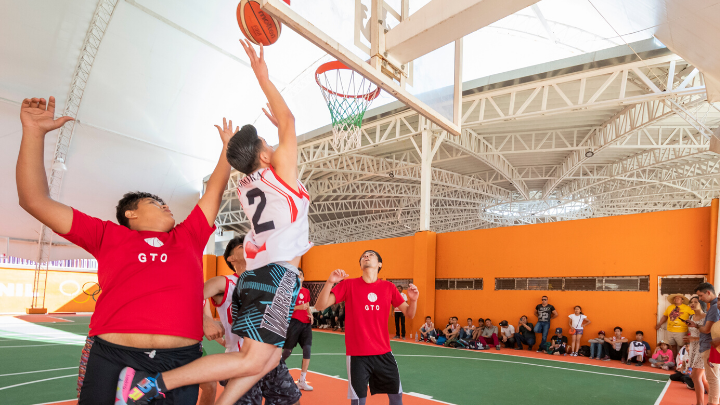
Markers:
point(279, 218)
point(233, 342)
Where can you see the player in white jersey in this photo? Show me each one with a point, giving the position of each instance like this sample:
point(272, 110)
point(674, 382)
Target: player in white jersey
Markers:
point(278, 386)
point(277, 206)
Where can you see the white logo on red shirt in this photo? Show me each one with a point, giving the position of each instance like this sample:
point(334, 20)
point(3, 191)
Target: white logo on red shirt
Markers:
point(372, 297)
point(154, 242)
point(301, 295)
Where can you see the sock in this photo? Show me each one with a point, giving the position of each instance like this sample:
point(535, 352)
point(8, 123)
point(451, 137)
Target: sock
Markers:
point(302, 375)
point(395, 399)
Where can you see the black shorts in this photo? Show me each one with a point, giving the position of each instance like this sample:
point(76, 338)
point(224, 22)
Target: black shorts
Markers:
point(298, 332)
point(277, 387)
point(263, 302)
point(380, 372)
point(102, 361)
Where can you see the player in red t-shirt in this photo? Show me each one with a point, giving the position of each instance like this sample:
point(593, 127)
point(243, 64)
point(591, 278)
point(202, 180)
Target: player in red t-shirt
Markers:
point(300, 332)
point(150, 271)
point(368, 302)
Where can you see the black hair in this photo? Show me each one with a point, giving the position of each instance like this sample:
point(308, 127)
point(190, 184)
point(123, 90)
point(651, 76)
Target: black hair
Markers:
point(428, 317)
point(454, 317)
point(469, 319)
point(130, 202)
point(578, 306)
point(300, 270)
point(524, 316)
point(544, 296)
point(705, 287)
point(639, 333)
point(616, 328)
point(234, 242)
point(376, 254)
point(243, 150)
point(481, 320)
point(487, 319)
point(702, 303)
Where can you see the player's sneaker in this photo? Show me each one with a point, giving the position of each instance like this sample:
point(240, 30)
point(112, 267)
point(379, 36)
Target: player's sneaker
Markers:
point(136, 387)
point(433, 339)
point(304, 385)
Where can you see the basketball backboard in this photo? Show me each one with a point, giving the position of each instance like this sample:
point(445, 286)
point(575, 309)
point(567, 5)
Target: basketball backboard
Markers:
point(411, 49)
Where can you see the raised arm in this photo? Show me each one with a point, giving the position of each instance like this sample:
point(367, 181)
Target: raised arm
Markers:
point(326, 297)
point(410, 306)
point(284, 160)
point(38, 118)
point(210, 201)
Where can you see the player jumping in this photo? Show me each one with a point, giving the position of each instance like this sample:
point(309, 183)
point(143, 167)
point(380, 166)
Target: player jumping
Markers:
point(368, 302)
point(277, 205)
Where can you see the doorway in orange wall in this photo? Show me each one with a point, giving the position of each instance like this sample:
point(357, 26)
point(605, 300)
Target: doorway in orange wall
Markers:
point(668, 285)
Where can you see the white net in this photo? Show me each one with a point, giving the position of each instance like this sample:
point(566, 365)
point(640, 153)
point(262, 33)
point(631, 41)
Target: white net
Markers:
point(348, 95)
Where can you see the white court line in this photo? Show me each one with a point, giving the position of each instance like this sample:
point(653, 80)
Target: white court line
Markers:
point(512, 355)
point(53, 344)
point(662, 394)
point(414, 394)
point(505, 361)
point(37, 381)
point(37, 371)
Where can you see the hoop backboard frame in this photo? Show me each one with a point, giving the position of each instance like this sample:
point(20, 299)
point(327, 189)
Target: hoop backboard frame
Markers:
point(380, 68)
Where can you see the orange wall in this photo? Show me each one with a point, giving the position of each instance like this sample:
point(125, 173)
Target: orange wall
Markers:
point(397, 255)
point(64, 291)
point(654, 244)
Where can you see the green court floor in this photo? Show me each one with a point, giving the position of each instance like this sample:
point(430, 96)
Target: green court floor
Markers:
point(39, 365)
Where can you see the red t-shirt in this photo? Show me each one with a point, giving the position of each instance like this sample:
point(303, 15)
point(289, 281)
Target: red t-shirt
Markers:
point(303, 297)
point(367, 309)
point(152, 282)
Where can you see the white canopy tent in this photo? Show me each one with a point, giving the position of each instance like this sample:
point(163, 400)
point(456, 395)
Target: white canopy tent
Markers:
point(165, 72)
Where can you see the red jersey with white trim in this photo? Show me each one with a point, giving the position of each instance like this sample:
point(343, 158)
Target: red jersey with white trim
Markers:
point(233, 342)
point(279, 218)
point(367, 309)
point(303, 297)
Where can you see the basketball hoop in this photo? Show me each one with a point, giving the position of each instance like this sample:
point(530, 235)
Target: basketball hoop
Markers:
point(348, 95)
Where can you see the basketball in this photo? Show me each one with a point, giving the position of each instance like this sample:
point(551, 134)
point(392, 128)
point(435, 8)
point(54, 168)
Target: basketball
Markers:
point(258, 26)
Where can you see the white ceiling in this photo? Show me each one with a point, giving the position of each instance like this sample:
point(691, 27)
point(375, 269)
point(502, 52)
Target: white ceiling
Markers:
point(167, 71)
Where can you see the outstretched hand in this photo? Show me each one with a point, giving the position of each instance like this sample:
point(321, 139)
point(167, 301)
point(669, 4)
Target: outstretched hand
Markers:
point(256, 62)
point(412, 292)
point(337, 276)
point(270, 116)
point(226, 132)
point(36, 114)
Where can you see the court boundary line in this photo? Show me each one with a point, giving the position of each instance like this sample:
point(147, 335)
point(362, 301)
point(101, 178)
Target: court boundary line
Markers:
point(659, 399)
point(37, 381)
point(507, 354)
point(506, 361)
point(54, 344)
point(57, 402)
point(413, 394)
point(37, 371)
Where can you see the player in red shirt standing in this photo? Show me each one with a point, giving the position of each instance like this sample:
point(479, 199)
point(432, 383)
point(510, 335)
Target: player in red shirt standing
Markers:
point(368, 302)
point(149, 314)
point(300, 332)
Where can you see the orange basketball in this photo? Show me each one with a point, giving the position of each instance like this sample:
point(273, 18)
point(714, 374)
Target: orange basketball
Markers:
point(258, 26)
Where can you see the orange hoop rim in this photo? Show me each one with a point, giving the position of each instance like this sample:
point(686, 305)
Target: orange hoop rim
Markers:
point(337, 65)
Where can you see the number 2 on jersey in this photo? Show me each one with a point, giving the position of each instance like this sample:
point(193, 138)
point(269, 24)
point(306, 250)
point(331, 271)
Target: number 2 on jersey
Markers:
point(257, 226)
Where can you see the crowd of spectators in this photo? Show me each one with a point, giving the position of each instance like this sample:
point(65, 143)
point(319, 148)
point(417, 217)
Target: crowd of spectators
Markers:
point(685, 346)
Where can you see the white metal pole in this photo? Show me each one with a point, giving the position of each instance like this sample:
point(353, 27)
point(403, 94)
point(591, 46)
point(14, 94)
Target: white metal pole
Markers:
point(716, 278)
point(425, 175)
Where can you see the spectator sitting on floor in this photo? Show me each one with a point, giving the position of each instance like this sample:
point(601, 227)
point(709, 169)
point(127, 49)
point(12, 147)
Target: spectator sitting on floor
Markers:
point(663, 356)
point(452, 330)
point(615, 347)
point(427, 331)
point(489, 335)
point(596, 345)
point(525, 334)
point(638, 350)
point(507, 334)
point(466, 332)
point(340, 317)
point(478, 331)
point(676, 314)
point(558, 343)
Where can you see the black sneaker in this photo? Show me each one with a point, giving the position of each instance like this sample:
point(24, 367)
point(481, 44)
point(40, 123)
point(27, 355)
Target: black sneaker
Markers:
point(137, 387)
